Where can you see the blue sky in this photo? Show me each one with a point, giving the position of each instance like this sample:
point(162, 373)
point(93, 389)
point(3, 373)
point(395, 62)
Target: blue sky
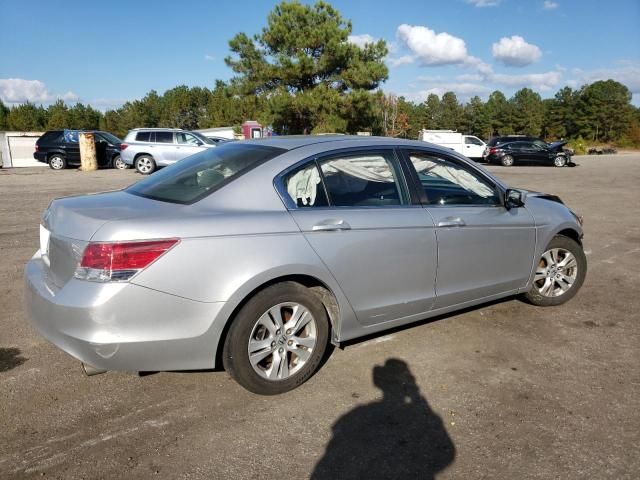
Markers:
point(105, 53)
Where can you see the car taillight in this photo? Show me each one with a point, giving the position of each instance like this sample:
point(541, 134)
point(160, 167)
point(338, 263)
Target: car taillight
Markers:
point(493, 150)
point(123, 146)
point(118, 262)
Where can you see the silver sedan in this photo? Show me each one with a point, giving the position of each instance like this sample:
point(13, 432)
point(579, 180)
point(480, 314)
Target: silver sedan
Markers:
point(257, 255)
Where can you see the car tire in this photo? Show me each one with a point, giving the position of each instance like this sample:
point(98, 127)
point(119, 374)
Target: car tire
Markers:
point(560, 161)
point(145, 164)
point(507, 161)
point(562, 260)
point(118, 163)
point(57, 162)
point(262, 353)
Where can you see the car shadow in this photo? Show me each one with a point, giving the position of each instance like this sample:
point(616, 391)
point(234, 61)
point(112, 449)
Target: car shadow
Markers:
point(10, 358)
point(398, 436)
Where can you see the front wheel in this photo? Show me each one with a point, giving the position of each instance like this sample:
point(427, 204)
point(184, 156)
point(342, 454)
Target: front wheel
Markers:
point(560, 273)
point(145, 164)
point(507, 161)
point(277, 340)
point(560, 161)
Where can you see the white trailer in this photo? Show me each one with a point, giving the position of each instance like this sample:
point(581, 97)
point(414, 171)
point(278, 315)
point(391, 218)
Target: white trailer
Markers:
point(468, 145)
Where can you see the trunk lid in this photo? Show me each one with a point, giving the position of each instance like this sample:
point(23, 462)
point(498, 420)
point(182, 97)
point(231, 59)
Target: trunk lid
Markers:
point(69, 224)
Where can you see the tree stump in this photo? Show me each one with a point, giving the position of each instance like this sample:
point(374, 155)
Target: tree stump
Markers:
point(88, 160)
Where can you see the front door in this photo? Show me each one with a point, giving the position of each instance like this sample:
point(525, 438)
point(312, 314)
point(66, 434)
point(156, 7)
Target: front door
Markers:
point(355, 211)
point(186, 145)
point(483, 248)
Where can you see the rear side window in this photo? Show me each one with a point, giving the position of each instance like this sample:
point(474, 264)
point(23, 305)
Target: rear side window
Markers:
point(367, 179)
point(363, 180)
point(304, 186)
point(143, 137)
point(164, 137)
point(51, 137)
point(196, 177)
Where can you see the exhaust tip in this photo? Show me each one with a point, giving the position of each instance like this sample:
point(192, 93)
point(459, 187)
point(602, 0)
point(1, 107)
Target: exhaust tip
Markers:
point(90, 370)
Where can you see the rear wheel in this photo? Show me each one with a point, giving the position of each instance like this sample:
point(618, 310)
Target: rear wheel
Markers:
point(57, 162)
point(118, 164)
point(507, 161)
point(277, 340)
point(145, 164)
point(560, 161)
point(560, 273)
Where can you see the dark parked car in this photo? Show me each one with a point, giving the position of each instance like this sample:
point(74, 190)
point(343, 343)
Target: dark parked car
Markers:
point(60, 148)
point(526, 149)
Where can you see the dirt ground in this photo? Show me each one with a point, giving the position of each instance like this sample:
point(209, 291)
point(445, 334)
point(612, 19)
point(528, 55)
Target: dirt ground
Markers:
point(505, 390)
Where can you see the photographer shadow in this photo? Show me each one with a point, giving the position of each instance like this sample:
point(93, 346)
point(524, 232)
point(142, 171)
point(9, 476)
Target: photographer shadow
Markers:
point(398, 436)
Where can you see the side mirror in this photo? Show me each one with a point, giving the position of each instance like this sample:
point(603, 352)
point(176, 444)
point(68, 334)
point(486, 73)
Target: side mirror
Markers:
point(513, 199)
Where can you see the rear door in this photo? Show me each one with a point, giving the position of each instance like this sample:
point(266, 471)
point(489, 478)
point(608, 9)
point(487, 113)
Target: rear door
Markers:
point(483, 248)
point(164, 147)
point(355, 210)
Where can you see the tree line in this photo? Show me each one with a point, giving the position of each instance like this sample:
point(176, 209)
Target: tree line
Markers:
point(301, 75)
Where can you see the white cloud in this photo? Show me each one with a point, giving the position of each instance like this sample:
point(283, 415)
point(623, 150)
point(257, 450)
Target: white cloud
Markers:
point(18, 90)
point(515, 51)
point(403, 60)
point(537, 81)
point(549, 5)
point(209, 58)
point(628, 75)
point(484, 3)
point(431, 48)
point(361, 40)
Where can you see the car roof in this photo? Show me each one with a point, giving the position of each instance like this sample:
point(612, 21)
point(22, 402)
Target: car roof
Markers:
point(155, 129)
point(291, 142)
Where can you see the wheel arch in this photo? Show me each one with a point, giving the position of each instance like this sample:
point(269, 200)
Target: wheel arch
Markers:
point(139, 154)
point(319, 287)
point(572, 234)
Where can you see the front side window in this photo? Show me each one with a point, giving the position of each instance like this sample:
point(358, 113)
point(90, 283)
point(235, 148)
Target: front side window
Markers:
point(201, 174)
point(472, 141)
point(448, 183)
point(187, 139)
point(164, 137)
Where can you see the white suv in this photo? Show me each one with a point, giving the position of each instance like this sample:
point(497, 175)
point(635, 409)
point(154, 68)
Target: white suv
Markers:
point(150, 148)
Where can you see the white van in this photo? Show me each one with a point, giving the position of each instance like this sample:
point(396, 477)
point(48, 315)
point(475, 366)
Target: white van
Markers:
point(467, 145)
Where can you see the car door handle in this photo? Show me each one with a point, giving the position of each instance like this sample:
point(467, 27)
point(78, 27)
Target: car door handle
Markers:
point(331, 225)
point(451, 222)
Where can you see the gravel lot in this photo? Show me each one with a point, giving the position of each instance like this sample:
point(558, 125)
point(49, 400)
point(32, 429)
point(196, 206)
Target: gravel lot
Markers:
point(505, 390)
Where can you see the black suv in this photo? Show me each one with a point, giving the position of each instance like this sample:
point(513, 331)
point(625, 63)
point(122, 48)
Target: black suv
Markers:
point(60, 148)
point(509, 149)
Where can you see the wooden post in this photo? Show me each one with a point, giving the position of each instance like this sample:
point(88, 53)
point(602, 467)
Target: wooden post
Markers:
point(88, 161)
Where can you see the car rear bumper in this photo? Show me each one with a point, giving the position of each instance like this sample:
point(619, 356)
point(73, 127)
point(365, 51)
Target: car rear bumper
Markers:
point(122, 326)
point(40, 156)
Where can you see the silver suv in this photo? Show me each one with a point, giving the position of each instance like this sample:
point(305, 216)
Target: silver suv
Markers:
point(150, 148)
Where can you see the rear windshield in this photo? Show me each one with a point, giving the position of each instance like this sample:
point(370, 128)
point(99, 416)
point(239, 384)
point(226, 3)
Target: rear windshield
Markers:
point(199, 175)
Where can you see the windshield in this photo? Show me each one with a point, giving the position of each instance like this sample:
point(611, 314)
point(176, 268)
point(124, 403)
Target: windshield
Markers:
point(202, 138)
point(199, 175)
point(109, 137)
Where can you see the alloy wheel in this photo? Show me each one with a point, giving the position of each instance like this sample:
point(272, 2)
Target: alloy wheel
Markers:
point(144, 165)
point(556, 272)
point(282, 341)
